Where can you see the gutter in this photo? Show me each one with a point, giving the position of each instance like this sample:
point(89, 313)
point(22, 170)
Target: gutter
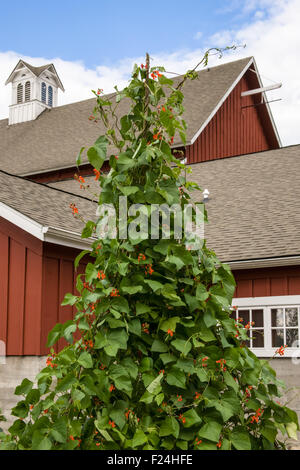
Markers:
point(62, 237)
point(265, 262)
point(44, 233)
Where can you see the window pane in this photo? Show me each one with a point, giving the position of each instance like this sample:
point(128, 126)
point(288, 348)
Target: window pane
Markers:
point(258, 318)
point(27, 91)
point(50, 96)
point(44, 90)
point(277, 338)
point(233, 314)
point(291, 316)
point(291, 336)
point(244, 316)
point(20, 93)
point(277, 316)
point(257, 338)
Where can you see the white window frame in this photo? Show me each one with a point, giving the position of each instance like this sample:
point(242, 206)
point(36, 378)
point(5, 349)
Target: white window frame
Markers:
point(266, 304)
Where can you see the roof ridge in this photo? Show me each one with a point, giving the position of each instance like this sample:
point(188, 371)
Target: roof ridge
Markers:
point(177, 77)
point(227, 63)
point(114, 93)
point(36, 69)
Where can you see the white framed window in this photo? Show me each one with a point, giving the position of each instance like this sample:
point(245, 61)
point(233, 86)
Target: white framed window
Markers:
point(43, 92)
point(20, 93)
point(27, 91)
point(50, 96)
point(272, 322)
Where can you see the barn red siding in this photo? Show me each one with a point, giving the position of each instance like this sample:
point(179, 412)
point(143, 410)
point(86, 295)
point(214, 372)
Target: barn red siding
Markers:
point(33, 302)
point(4, 261)
point(268, 282)
point(59, 278)
point(20, 290)
point(34, 279)
point(235, 129)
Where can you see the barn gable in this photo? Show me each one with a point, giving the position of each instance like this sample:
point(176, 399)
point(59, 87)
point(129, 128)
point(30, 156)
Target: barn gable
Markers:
point(240, 125)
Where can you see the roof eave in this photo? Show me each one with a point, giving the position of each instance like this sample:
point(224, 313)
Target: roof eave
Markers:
point(278, 261)
point(12, 73)
point(63, 237)
point(60, 85)
point(44, 233)
point(267, 106)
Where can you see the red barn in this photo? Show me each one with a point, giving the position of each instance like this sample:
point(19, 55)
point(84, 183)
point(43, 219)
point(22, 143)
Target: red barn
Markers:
point(234, 151)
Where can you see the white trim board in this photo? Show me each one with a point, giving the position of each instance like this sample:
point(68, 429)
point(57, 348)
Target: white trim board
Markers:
point(44, 233)
point(265, 301)
point(66, 238)
point(267, 104)
point(21, 221)
point(264, 263)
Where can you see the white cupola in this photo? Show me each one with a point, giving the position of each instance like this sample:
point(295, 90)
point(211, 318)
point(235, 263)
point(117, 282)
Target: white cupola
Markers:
point(34, 89)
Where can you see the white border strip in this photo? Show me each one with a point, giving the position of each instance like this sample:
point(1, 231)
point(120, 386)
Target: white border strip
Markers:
point(63, 237)
point(22, 221)
point(265, 301)
point(44, 233)
point(264, 263)
point(267, 105)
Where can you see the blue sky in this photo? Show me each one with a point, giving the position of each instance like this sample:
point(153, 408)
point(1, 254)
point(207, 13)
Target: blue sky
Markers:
point(94, 43)
point(102, 32)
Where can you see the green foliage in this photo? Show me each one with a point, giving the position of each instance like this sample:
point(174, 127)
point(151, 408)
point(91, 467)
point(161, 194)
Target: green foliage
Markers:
point(160, 363)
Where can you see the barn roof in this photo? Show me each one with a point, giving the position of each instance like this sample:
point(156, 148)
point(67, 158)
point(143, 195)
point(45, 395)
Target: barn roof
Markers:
point(53, 140)
point(254, 204)
point(253, 207)
point(36, 208)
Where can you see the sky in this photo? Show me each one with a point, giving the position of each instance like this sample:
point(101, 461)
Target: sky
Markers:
point(94, 43)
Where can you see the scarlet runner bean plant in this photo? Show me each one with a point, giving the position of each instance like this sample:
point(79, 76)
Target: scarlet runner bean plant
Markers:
point(161, 363)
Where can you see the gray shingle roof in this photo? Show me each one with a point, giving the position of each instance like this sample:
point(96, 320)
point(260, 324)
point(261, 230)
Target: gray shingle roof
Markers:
point(254, 203)
point(54, 139)
point(47, 206)
point(254, 206)
point(36, 70)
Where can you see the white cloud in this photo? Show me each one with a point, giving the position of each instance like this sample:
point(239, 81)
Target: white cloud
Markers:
point(198, 35)
point(275, 43)
point(259, 14)
point(273, 39)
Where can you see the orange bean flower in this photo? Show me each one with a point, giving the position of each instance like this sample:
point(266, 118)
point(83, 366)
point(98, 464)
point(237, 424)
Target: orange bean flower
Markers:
point(97, 174)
